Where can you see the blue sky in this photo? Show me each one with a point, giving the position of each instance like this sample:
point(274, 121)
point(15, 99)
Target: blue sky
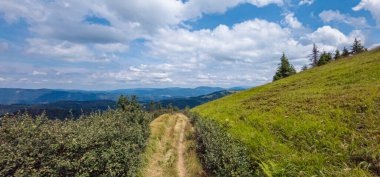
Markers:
point(104, 45)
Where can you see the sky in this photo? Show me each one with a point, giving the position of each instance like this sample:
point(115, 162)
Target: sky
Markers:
point(115, 44)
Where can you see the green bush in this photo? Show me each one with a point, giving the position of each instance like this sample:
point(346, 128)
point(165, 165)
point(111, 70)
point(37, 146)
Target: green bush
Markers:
point(101, 144)
point(220, 154)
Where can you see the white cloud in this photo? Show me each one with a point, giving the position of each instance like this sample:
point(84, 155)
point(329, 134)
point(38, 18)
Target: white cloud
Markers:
point(245, 42)
point(36, 73)
point(304, 2)
point(371, 5)
point(2, 79)
point(113, 47)
point(292, 21)
point(64, 50)
point(331, 15)
point(331, 38)
point(30, 10)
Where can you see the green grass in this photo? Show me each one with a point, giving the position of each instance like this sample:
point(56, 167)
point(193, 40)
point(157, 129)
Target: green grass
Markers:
point(324, 121)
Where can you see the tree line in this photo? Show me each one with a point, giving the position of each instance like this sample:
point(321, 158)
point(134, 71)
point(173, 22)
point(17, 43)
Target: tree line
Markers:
point(317, 58)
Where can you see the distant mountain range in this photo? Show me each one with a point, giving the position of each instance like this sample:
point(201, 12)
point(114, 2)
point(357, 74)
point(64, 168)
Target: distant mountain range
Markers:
point(74, 109)
point(196, 101)
point(43, 96)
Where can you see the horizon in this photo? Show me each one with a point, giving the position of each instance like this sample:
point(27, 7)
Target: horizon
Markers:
point(104, 46)
point(89, 90)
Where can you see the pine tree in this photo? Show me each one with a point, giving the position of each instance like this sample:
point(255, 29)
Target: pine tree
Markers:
point(325, 58)
point(337, 54)
point(285, 69)
point(357, 47)
point(314, 55)
point(345, 52)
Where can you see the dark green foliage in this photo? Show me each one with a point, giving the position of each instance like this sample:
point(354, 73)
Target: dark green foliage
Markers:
point(357, 47)
point(284, 70)
point(59, 110)
point(128, 105)
point(220, 154)
point(345, 52)
point(314, 57)
point(337, 54)
point(325, 58)
point(101, 144)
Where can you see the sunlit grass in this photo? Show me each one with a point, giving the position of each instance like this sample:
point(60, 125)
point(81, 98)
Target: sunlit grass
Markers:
point(323, 121)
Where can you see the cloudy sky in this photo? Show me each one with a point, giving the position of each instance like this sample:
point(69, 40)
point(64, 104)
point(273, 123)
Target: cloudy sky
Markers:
point(111, 44)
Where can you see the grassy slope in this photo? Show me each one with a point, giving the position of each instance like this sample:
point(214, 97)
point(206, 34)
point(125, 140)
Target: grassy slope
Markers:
point(324, 121)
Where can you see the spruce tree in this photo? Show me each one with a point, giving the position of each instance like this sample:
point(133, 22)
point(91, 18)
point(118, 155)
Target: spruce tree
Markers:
point(337, 54)
point(357, 47)
point(314, 56)
point(345, 52)
point(285, 69)
point(325, 58)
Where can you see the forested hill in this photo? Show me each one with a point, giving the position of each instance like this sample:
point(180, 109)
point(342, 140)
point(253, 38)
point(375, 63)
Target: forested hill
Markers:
point(324, 121)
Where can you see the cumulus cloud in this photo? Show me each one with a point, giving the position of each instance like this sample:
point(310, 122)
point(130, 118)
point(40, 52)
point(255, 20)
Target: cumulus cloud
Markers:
point(304, 2)
point(112, 47)
point(246, 53)
point(331, 38)
point(372, 6)
point(245, 42)
point(331, 15)
point(64, 50)
point(292, 21)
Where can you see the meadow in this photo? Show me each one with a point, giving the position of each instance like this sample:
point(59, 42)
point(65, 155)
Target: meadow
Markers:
point(324, 121)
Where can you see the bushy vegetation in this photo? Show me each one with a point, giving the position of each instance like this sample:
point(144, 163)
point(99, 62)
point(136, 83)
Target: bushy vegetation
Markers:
point(220, 154)
point(102, 144)
point(324, 121)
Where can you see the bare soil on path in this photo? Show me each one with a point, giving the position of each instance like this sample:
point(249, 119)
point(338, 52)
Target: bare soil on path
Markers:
point(171, 148)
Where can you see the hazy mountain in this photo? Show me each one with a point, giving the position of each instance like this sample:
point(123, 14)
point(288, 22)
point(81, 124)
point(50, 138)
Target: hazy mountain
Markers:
point(41, 96)
point(195, 101)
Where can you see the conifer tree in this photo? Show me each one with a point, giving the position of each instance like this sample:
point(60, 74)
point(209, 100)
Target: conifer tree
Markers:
point(325, 58)
point(285, 69)
point(357, 47)
point(345, 52)
point(337, 54)
point(314, 55)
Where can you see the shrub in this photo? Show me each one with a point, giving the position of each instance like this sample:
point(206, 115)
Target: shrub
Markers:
point(101, 144)
point(220, 154)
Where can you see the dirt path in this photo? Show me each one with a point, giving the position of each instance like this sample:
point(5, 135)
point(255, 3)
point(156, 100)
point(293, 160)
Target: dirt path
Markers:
point(180, 149)
point(171, 148)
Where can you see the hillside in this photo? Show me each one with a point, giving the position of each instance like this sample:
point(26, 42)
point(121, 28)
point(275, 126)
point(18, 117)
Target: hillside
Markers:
point(181, 103)
point(324, 121)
